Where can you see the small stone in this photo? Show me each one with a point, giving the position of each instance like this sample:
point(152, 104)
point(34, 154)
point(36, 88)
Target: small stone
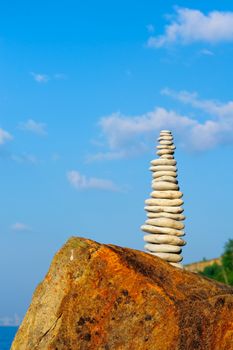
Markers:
point(164, 202)
point(180, 266)
point(165, 132)
point(165, 222)
point(174, 216)
point(167, 156)
point(163, 168)
point(158, 209)
point(163, 248)
point(165, 137)
point(164, 173)
point(164, 239)
point(162, 152)
point(166, 147)
point(162, 185)
point(159, 179)
point(166, 179)
point(165, 142)
point(165, 230)
point(163, 162)
point(168, 256)
point(166, 194)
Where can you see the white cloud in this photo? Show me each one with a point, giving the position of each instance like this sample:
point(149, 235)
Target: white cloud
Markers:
point(126, 136)
point(4, 136)
point(189, 26)
point(20, 227)
point(80, 182)
point(33, 126)
point(217, 128)
point(121, 130)
point(40, 78)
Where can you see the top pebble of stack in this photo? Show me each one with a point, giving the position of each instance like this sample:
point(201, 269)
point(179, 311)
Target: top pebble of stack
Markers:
point(164, 225)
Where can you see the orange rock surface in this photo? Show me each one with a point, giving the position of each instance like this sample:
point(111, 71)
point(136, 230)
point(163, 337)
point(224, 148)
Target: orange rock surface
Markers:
point(106, 297)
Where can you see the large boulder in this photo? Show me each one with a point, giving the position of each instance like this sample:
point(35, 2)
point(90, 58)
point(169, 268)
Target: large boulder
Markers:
point(98, 296)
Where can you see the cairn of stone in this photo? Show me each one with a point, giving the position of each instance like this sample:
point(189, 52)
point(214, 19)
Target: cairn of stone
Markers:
point(164, 226)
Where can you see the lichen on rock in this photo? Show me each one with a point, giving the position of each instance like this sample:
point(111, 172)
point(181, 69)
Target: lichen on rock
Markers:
point(108, 297)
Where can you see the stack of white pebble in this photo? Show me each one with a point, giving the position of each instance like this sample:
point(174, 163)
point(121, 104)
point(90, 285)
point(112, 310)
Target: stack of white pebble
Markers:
point(164, 212)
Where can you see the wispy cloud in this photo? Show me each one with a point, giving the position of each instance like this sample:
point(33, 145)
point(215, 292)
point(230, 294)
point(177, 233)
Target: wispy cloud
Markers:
point(10, 321)
point(188, 26)
point(5, 136)
point(56, 157)
point(207, 52)
point(128, 73)
point(81, 182)
point(20, 227)
point(40, 77)
point(34, 127)
point(106, 156)
point(212, 107)
point(20, 158)
point(24, 158)
point(60, 76)
point(130, 151)
point(150, 28)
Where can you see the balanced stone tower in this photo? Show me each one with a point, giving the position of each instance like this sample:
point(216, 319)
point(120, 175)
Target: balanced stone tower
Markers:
point(164, 226)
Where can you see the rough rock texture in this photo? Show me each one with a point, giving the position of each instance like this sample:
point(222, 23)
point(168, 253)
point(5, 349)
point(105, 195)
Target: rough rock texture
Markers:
point(106, 297)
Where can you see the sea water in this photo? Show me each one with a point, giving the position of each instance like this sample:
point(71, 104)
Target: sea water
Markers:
point(6, 337)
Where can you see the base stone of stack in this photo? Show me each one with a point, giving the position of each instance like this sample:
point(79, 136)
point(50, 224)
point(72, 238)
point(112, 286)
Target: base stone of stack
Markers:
point(179, 266)
point(169, 257)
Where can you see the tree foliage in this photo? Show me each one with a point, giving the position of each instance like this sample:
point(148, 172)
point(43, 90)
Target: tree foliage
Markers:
point(224, 272)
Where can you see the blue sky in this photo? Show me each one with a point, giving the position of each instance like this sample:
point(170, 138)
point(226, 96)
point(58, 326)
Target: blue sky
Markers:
point(85, 89)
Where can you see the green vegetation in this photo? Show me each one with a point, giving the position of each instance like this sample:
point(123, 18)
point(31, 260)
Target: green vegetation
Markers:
point(224, 272)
